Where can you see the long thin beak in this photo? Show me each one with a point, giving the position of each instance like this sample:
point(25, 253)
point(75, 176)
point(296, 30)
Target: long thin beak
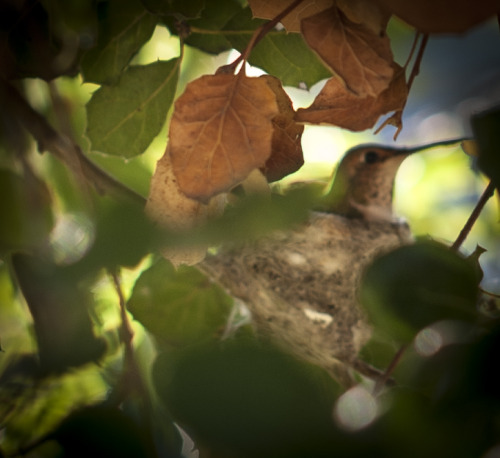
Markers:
point(416, 149)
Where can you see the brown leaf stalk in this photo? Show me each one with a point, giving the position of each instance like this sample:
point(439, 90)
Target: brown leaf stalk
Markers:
point(258, 35)
point(485, 196)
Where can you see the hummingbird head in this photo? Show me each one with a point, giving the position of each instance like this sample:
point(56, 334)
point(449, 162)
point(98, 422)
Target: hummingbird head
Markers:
point(364, 182)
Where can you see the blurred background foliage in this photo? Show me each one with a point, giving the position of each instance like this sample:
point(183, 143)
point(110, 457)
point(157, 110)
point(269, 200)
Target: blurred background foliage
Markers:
point(71, 384)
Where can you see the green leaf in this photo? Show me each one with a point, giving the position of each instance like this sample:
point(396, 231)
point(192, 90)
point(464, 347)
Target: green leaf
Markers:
point(123, 29)
point(124, 235)
point(257, 215)
point(281, 54)
point(248, 399)
point(205, 32)
point(177, 8)
point(101, 431)
point(123, 119)
point(179, 306)
point(486, 128)
point(416, 285)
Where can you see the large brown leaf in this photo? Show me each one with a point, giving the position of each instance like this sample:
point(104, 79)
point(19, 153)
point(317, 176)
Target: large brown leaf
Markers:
point(266, 9)
point(220, 131)
point(442, 16)
point(286, 156)
point(336, 105)
point(359, 56)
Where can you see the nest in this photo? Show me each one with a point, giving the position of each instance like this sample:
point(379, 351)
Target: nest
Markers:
point(301, 286)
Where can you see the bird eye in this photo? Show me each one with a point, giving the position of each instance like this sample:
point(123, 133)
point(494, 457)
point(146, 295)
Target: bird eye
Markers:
point(371, 157)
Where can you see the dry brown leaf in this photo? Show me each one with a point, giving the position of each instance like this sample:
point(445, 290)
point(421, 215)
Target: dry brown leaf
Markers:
point(336, 105)
point(442, 16)
point(220, 131)
point(265, 9)
point(173, 210)
point(360, 57)
point(366, 12)
point(286, 156)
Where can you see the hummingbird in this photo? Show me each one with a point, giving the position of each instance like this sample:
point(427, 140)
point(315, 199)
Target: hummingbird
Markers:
point(301, 285)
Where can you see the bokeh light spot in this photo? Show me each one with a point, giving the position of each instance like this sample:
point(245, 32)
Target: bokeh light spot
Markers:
point(355, 409)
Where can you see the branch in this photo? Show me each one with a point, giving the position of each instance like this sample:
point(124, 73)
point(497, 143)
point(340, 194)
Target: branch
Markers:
point(68, 152)
point(487, 193)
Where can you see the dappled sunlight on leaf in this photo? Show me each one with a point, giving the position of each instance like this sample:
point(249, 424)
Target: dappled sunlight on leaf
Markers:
point(140, 101)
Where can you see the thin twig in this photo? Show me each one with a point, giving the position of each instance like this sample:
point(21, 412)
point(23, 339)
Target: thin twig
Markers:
point(418, 60)
point(487, 193)
point(390, 369)
point(258, 35)
point(412, 49)
point(126, 332)
point(49, 139)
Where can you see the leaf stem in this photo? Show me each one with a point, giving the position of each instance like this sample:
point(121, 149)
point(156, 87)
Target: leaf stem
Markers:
point(390, 369)
point(485, 196)
point(260, 33)
point(418, 60)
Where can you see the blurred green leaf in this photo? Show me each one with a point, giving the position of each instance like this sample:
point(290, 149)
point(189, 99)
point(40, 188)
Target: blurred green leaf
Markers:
point(281, 54)
point(257, 215)
point(416, 285)
point(124, 235)
point(124, 118)
point(249, 399)
point(60, 311)
point(486, 128)
point(179, 306)
point(123, 28)
point(25, 211)
point(176, 8)
point(100, 431)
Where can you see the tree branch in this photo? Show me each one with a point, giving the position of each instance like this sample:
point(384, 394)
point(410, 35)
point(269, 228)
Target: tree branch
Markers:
point(487, 193)
point(68, 152)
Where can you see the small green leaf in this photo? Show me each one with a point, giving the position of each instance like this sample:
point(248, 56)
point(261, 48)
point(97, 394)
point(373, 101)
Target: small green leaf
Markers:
point(123, 29)
point(205, 32)
point(179, 306)
point(123, 119)
point(416, 285)
point(281, 54)
point(486, 128)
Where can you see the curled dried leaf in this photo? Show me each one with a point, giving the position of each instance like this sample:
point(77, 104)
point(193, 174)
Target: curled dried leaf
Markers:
point(220, 131)
point(286, 155)
point(360, 57)
point(337, 106)
point(265, 9)
point(168, 206)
